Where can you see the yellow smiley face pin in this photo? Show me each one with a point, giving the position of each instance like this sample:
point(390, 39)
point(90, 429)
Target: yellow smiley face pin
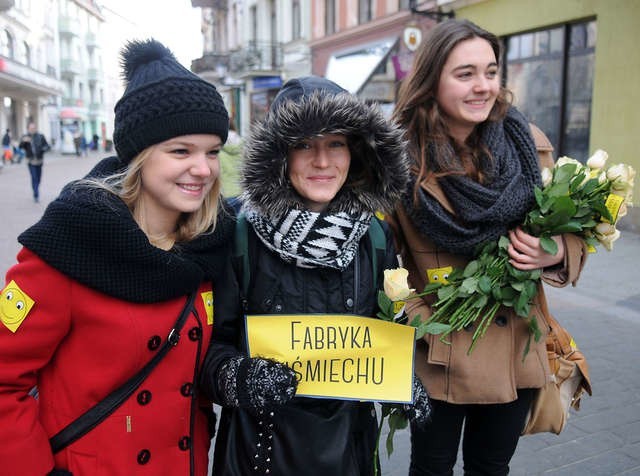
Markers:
point(207, 300)
point(439, 275)
point(15, 304)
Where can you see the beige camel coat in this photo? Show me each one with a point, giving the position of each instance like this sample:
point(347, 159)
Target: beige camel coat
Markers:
point(496, 367)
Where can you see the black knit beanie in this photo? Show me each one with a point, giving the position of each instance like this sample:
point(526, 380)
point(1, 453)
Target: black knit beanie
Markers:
point(162, 100)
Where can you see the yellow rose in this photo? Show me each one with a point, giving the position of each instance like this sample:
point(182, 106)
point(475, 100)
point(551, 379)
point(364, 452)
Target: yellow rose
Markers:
point(597, 160)
point(395, 284)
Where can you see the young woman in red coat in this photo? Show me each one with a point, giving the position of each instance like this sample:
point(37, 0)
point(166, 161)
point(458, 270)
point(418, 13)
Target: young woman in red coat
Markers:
point(101, 281)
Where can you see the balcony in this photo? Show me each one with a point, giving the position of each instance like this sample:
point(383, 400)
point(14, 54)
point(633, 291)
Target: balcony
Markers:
point(93, 75)
point(68, 26)
point(216, 4)
point(257, 59)
point(69, 67)
point(91, 40)
point(211, 62)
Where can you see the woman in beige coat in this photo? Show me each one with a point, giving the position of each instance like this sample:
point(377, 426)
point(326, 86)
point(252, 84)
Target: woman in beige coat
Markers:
point(476, 163)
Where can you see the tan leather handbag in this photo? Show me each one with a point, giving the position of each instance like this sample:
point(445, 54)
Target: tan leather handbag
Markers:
point(569, 380)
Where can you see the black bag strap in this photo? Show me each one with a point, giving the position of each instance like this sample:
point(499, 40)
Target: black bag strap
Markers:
point(101, 410)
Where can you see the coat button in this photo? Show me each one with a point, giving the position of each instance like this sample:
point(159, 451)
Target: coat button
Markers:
point(267, 302)
point(195, 333)
point(277, 308)
point(501, 321)
point(144, 397)
point(144, 456)
point(186, 389)
point(154, 343)
point(469, 327)
point(185, 443)
point(349, 303)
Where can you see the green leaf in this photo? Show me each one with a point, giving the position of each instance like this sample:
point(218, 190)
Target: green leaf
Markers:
point(435, 328)
point(446, 292)
point(503, 242)
point(522, 305)
point(484, 284)
point(548, 245)
point(471, 269)
point(564, 173)
point(430, 288)
point(386, 307)
point(481, 301)
point(469, 285)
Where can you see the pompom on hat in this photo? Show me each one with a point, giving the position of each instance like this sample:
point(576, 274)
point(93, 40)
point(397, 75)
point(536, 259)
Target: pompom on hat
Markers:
point(162, 100)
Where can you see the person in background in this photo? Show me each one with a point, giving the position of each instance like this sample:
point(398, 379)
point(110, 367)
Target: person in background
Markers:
point(102, 278)
point(475, 166)
point(7, 150)
point(316, 170)
point(34, 145)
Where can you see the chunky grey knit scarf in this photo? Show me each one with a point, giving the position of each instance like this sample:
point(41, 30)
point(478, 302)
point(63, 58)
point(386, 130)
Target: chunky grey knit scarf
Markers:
point(312, 240)
point(484, 212)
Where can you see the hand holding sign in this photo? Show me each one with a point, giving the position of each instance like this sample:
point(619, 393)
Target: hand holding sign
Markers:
point(256, 383)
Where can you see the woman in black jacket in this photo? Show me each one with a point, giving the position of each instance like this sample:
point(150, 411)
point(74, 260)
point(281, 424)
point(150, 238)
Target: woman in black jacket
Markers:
point(316, 170)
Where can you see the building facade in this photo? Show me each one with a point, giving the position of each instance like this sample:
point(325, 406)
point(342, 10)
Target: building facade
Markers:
point(51, 71)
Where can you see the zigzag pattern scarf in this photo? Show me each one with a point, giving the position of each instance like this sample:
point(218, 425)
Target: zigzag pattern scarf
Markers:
point(312, 240)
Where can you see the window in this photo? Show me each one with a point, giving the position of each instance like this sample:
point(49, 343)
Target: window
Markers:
point(551, 75)
point(7, 47)
point(27, 53)
point(296, 33)
point(365, 13)
point(330, 17)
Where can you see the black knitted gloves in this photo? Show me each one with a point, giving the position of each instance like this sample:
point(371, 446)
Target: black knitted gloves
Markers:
point(255, 383)
point(419, 411)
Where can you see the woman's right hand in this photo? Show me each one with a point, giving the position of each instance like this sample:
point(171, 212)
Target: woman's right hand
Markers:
point(256, 383)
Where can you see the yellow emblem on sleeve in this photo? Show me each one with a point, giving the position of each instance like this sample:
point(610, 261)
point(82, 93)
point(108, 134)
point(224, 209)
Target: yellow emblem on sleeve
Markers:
point(207, 300)
point(15, 304)
point(439, 275)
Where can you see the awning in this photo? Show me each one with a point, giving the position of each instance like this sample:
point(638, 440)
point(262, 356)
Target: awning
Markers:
point(352, 68)
point(68, 113)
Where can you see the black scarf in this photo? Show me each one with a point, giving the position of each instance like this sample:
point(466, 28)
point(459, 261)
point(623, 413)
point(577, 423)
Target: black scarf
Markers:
point(484, 212)
point(90, 235)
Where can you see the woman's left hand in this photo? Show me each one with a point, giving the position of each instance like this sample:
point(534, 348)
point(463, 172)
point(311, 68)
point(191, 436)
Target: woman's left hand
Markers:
point(525, 252)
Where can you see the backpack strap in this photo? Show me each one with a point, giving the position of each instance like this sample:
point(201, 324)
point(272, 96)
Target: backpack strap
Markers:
point(378, 247)
point(241, 250)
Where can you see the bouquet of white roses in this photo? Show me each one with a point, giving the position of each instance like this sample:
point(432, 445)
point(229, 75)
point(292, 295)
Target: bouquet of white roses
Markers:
point(583, 199)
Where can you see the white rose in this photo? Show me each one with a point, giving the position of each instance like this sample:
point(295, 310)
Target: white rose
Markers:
point(568, 160)
point(606, 234)
point(597, 160)
point(395, 284)
point(622, 176)
point(547, 176)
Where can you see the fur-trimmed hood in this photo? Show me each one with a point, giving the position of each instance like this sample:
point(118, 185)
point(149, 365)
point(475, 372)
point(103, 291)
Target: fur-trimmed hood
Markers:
point(309, 107)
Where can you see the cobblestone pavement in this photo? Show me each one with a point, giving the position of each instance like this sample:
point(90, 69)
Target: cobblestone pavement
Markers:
point(602, 313)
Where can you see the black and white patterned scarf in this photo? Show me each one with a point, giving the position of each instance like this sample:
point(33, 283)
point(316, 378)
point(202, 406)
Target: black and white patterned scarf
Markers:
point(310, 239)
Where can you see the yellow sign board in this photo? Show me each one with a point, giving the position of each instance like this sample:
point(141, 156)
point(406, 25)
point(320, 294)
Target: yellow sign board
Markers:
point(338, 356)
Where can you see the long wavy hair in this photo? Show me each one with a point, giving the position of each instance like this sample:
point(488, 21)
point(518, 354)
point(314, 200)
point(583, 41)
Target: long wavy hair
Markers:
point(128, 186)
point(417, 111)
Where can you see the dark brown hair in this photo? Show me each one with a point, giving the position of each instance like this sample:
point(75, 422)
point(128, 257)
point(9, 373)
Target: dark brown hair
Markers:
point(419, 114)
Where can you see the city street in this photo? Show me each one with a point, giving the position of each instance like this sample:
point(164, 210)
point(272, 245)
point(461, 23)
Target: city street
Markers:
point(602, 313)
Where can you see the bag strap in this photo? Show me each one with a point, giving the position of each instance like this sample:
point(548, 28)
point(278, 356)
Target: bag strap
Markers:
point(378, 247)
point(101, 410)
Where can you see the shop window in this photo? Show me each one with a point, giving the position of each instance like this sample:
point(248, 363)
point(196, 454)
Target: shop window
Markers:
point(7, 46)
point(330, 17)
point(296, 32)
point(551, 75)
point(365, 11)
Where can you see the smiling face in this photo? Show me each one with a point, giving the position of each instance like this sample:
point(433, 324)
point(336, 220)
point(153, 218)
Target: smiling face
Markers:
point(318, 169)
point(468, 86)
point(176, 178)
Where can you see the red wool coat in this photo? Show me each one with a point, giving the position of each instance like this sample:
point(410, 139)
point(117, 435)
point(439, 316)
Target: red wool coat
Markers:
point(77, 345)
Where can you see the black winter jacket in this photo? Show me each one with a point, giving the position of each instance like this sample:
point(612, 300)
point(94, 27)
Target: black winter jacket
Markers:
point(283, 440)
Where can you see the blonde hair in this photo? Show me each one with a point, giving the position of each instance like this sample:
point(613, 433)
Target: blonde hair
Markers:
point(128, 186)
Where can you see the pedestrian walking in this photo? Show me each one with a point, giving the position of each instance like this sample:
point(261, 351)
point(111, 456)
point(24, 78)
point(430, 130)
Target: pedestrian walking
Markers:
point(34, 145)
point(476, 164)
point(316, 170)
point(120, 270)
